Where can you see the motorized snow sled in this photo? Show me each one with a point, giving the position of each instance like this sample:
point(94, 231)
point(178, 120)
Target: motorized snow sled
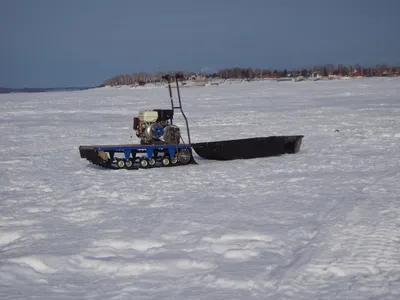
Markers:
point(162, 145)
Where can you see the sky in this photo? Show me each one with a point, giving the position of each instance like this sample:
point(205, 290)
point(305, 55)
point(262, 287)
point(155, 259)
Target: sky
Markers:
point(64, 43)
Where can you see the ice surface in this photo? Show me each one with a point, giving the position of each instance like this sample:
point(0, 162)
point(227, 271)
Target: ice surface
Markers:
point(321, 224)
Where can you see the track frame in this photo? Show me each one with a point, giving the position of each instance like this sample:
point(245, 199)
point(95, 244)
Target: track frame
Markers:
point(136, 156)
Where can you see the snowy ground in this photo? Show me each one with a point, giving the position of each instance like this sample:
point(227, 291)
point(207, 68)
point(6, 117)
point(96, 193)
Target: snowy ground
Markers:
point(320, 224)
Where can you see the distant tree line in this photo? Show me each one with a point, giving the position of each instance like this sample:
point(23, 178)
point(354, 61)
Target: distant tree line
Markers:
point(250, 73)
point(143, 78)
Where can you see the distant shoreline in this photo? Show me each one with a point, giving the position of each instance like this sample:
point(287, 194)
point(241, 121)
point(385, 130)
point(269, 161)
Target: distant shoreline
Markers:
point(322, 72)
point(42, 90)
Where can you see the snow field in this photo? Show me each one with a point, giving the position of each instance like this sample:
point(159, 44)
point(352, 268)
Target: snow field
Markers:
point(320, 224)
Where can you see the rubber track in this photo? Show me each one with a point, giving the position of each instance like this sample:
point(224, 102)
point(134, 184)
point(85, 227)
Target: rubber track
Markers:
point(111, 166)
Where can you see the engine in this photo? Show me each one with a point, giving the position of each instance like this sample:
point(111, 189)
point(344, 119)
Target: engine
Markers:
point(154, 127)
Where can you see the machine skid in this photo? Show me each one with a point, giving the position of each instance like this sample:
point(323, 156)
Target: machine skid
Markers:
point(135, 156)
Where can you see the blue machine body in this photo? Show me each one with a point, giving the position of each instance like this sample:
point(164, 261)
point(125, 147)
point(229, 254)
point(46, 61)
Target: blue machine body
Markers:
point(148, 149)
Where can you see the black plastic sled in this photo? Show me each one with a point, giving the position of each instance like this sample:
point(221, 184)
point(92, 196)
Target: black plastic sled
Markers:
point(249, 147)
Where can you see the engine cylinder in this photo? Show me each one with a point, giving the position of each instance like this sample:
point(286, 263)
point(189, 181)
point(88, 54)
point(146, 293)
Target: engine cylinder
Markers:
point(172, 134)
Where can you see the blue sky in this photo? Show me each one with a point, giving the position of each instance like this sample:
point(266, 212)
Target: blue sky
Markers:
point(59, 43)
